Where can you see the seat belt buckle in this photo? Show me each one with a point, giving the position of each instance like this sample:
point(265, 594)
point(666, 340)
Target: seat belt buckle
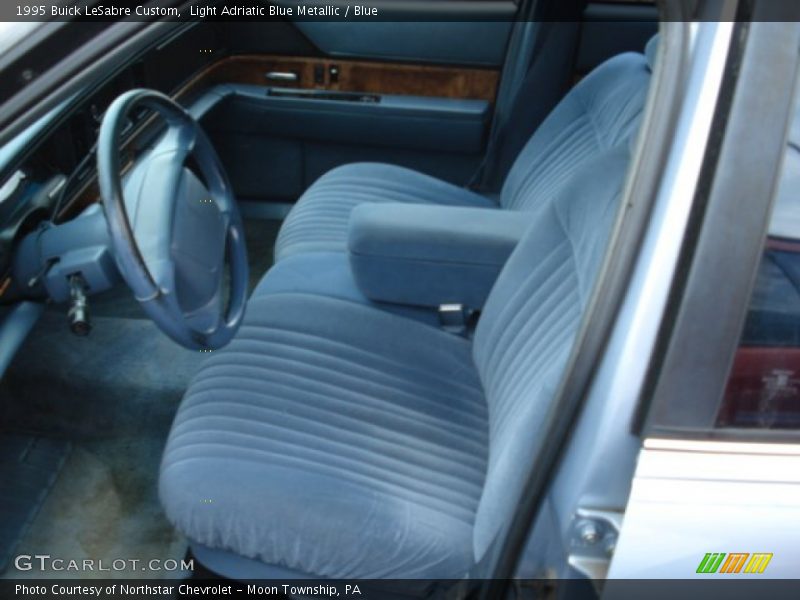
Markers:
point(454, 318)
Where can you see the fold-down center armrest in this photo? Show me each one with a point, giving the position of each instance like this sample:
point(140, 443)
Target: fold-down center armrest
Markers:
point(430, 255)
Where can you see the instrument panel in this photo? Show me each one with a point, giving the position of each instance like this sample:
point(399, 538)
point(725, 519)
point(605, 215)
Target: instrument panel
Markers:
point(54, 176)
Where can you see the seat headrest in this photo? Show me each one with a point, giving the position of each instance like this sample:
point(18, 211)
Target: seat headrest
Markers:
point(651, 51)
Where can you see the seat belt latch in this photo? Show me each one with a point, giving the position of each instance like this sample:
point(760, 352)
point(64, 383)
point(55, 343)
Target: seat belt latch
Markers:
point(454, 318)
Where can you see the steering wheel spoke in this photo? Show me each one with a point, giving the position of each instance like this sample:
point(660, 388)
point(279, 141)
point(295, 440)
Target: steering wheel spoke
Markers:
point(173, 222)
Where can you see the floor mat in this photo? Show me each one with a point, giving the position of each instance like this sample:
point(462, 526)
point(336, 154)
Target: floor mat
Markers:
point(29, 467)
point(104, 507)
point(111, 397)
point(260, 235)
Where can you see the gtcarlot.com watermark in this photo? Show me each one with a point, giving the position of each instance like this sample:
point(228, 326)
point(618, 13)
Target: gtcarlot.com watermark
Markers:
point(46, 562)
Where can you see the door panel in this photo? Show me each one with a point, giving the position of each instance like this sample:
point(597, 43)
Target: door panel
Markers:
point(356, 76)
point(408, 122)
point(277, 141)
point(420, 68)
point(322, 99)
point(467, 42)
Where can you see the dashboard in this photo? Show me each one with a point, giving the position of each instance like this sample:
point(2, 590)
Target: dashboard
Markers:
point(319, 111)
point(51, 173)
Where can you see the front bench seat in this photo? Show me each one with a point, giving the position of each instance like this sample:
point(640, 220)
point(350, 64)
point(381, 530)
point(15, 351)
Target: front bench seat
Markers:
point(600, 112)
point(334, 439)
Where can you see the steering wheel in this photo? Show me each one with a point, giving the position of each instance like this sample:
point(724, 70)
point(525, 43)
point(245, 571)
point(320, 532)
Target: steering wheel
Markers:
point(174, 225)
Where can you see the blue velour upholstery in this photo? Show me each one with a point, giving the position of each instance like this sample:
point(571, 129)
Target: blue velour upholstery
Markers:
point(330, 274)
point(318, 222)
point(530, 320)
point(424, 255)
point(334, 438)
point(600, 112)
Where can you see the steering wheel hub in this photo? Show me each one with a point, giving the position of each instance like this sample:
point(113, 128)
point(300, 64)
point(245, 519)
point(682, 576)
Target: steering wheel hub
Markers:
point(175, 225)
